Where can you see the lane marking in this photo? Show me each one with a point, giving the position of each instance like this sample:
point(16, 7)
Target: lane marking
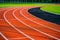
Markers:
point(15, 27)
point(1, 32)
point(33, 27)
point(38, 23)
point(3, 36)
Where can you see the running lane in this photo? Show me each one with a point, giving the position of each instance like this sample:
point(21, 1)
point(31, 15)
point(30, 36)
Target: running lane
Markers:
point(40, 21)
point(34, 26)
point(25, 29)
point(11, 27)
point(49, 32)
point(6, 31)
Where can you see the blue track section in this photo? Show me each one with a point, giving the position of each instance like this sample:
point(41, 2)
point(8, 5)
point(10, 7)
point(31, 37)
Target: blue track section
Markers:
point(45, 15)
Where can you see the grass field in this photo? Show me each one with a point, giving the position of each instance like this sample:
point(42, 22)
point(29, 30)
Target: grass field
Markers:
point(53, 8)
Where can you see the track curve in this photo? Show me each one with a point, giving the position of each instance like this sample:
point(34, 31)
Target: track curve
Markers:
point(20, 25)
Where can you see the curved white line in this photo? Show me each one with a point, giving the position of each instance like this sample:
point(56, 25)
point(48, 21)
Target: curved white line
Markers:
point(39, 23)
point(1, 32)
point(33, 27)
point(3, 36)
point(14, 26)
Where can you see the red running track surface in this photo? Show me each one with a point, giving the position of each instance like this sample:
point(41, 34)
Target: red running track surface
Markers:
point(18, 24)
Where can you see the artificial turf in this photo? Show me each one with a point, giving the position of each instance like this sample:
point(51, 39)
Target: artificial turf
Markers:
point(44, 6)
point(52, 9)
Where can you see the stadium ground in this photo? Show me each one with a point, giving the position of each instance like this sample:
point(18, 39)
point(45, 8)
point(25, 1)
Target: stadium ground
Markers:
point(18, 24)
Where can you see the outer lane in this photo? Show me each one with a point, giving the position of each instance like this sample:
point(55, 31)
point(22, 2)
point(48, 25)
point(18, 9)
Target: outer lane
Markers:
point(24, 20)
point(7, 30)
point(27, 22)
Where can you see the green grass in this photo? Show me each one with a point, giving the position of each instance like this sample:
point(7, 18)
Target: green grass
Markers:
point(22, 4)
point(52, 9)
point(46, 7)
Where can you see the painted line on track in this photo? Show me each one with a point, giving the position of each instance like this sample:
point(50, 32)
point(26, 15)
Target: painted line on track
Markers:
point(38, 23)
point(14, 26)
point(34, 28)
point(1, 32)
point(13, 38)
point(34, 32)
point(3, 36)
point(31, 20)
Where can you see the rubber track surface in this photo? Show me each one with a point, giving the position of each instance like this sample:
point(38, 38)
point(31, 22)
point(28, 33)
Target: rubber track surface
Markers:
point(18, 24)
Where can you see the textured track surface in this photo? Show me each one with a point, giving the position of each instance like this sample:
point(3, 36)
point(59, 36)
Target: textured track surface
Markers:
point(18, 24)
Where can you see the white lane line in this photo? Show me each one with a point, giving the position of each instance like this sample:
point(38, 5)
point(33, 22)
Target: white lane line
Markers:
point(39, 23)
point(3, 36)
point(18, 38)
point(14, 26)
point(34, 28)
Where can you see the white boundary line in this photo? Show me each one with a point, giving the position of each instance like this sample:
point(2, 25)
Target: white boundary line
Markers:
point(34, 28)
point(1, 32)
point(15, 27)
point(39, 23)
point(3, 36)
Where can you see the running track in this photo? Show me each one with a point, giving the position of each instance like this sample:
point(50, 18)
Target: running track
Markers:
point(17, 24)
